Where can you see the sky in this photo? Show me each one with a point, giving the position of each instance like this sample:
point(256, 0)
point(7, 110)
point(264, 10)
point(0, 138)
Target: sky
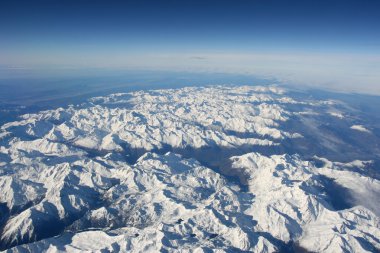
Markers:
point(330, 43)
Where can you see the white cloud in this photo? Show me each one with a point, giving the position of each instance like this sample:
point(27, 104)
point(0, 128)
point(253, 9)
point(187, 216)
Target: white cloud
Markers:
point(360, 128)
point(342, 72)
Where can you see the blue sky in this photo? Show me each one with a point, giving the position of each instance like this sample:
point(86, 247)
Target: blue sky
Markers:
point(285, 39)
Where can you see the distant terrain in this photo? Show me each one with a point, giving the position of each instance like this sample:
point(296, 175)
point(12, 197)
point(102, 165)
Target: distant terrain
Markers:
point(240, 168)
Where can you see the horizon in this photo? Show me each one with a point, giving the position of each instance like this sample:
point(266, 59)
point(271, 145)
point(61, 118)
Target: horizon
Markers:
point(196, 126)
point(334, 44)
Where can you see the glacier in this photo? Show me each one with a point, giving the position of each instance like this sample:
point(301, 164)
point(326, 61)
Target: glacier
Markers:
point(195, 169)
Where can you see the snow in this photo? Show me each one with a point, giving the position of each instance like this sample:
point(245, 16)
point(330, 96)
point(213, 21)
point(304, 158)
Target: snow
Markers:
point(185, 117)
point(289, 206)
point(69, 183)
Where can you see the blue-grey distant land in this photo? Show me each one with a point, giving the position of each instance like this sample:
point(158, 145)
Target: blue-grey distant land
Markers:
point(189, 126)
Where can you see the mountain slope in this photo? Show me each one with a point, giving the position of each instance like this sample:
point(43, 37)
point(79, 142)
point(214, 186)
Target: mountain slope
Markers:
point(185, 169)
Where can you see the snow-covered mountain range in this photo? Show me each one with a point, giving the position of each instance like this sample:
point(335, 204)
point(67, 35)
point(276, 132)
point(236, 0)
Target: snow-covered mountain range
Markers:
point(222, 168)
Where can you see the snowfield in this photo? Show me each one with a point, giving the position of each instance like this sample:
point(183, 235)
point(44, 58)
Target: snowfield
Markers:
point(191, 170)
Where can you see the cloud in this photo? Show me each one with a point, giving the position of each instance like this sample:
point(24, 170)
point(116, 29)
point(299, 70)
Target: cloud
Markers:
point(198, 58)
point(341, 72)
